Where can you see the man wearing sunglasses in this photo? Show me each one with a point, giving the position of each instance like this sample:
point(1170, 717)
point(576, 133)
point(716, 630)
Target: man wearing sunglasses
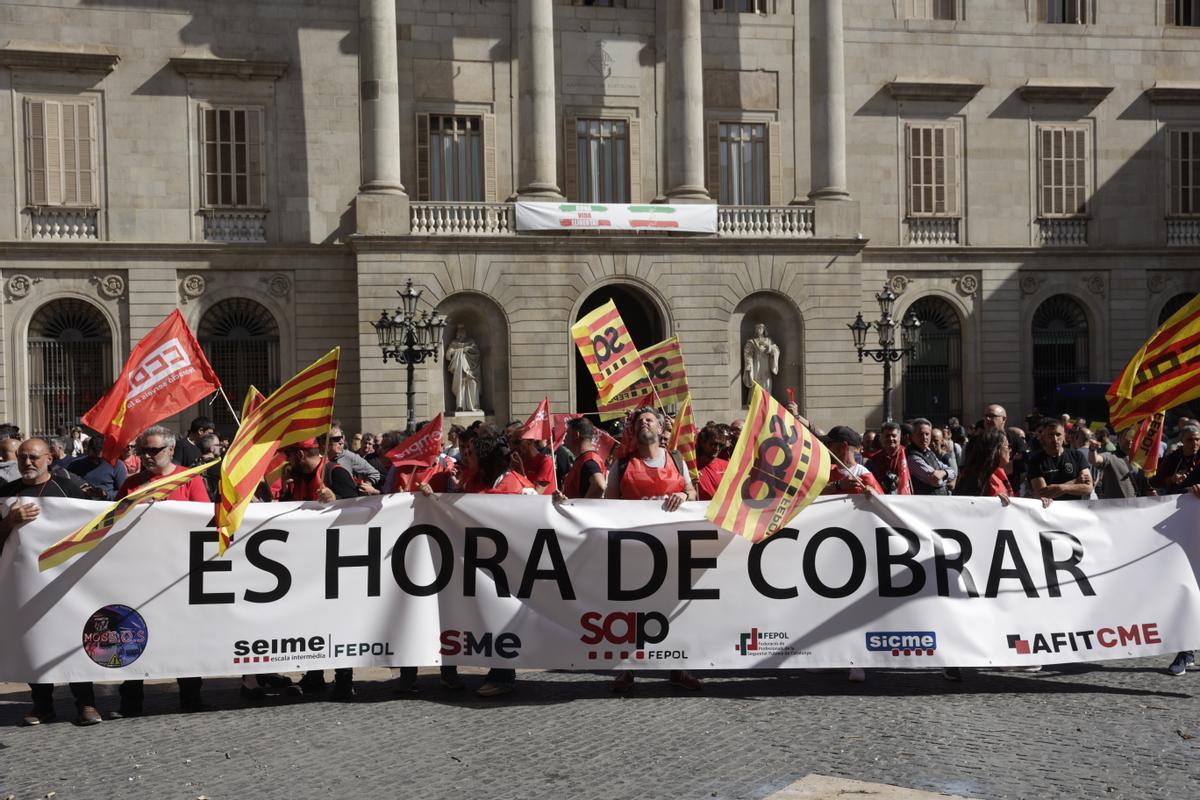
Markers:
point(156, 447)
point(365, 476)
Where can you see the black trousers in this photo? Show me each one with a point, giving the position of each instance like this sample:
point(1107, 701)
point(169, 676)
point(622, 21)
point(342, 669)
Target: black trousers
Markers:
point(43, 694)
point(133, 693)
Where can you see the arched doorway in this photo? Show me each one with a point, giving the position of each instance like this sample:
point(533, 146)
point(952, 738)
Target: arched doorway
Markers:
point(933, 375)
point(642, 318)
point(70, 363)
point(1060, 348)
point(1174, 304)
point(240, 338)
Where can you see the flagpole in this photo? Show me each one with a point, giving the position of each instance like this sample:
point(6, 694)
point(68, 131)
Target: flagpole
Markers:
point(229, 405)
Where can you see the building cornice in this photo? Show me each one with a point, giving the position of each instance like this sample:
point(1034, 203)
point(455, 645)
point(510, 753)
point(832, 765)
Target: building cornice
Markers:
point(590, 244)
point(1063, 90)
point(947, 89)
point(157, 251)
point(1164, 92)
point(52, 57)
point(941, 256)
point(242, 68)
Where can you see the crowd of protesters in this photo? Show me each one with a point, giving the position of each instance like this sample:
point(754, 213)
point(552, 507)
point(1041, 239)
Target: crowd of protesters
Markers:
point(1051, 459)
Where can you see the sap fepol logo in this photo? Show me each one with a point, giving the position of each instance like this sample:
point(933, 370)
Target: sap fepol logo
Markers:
point(902, 643)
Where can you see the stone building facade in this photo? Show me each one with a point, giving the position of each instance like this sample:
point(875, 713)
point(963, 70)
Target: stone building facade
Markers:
point(1023, 174)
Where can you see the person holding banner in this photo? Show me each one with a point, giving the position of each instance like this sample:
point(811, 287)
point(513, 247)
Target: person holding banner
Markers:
point(709, 444)
point(1180, 468)
point(651, 472)
point(983, 469)
point(33, 460)
point(588, 474)
point(890, 464)
point(1056, 473)
point(846, 475)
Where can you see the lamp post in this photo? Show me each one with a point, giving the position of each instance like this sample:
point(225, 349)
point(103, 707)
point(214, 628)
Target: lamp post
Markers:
point(409, 337)
point(887, 353)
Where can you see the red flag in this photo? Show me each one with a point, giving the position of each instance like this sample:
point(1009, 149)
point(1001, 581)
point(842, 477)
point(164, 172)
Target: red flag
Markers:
point(165, 373)
point(601, 439)
point(1147, 444)
point(604, 443)
point(540, 425)
point(422, 448)
point(560, 428)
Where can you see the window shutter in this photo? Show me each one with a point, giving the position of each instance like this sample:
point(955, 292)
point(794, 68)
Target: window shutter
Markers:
point(35, 151)
point(54, 172)
point(70, 162)
point(422, 156)
point(570, 159)
point(635, 160)
point(774, 163)
point(255, 174)
point(1083, 181)
point(85, 119)
point(908, 168)
point(1173, 167)
point(1169, 12)
point(714, 161)
point(490, 189)
point(1043, 190)
point(953, 180)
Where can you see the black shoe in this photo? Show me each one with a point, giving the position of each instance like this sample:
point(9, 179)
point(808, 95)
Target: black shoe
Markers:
point(123, 712)
point(86, 716)
point(953, 674)
point(312, 684)
point(343, 692)
point(192, 705)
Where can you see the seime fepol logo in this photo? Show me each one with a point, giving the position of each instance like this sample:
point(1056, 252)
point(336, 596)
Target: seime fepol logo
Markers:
point(254, 651)
point(902, 643)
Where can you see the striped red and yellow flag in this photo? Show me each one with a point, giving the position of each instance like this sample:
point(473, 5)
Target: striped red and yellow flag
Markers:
point(778, 467)
point(1147, 444)
point(254, 399)
point(91, 534)
point(683, 437)
point(608, 350)
point(1163, 373)
point(300, 409)
point(664, 367)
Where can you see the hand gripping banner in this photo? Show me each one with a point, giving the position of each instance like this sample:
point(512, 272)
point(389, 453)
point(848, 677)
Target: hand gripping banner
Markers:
point(865, 581)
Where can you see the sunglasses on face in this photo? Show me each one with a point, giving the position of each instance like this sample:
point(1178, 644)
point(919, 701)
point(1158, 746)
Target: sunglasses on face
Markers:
point(337, 438)
point(151, 451)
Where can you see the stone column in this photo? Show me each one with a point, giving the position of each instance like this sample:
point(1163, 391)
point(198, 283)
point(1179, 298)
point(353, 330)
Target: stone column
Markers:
point(685, 104)
point(539, 117)
point(382, 205)
point(827, 75)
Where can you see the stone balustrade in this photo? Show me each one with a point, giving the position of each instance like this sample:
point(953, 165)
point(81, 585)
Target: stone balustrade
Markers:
point(933, 231)
point(462, 219)
point(765, 222)
point(60, 224)
point(1183, 232)
point(1063, 232)
point(235, 226)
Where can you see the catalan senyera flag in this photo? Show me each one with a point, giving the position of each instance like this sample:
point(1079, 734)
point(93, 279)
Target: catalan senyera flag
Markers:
point(1163, 373)
point(165, 373)
point(1147, 444)
point(90, 535)
point(254, 399)
point(421, 449)
point(300, 409)
point(683, 437)
point(778, 467)
point(608, 350)
point(665, 378)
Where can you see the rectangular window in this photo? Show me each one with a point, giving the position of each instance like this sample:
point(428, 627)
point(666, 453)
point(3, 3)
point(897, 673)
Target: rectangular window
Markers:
point(742, 155)
point(1065, 12)
point(741, 6)
point(602, 168)
point(1184, 13)
point(1183, 172)
point(933, 9)
point(456, 167)
point(1063, 171)
point(60, 153)
point(933, 169)
point(231, 157)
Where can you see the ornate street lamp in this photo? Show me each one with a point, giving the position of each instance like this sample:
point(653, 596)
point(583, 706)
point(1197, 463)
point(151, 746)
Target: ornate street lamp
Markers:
point(409, 337)
point(887, 353)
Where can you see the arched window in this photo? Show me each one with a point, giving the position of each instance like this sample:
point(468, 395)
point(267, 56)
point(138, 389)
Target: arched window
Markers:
point(241, 340)
point(1174, 304)
point(1060, 348)
point(933, 375)
point(70, 363)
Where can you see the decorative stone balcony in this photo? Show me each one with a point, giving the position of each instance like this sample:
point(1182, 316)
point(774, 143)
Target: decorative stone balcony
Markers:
point(933, 231)
point(462, 219)
point(765, 222)
point(60, 224)
point(498, 219)
point(235, 226)
point(1063, 232)
point(1183, 231)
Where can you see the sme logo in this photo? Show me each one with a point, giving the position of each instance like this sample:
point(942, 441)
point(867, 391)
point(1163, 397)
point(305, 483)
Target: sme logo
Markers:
point(902, 643)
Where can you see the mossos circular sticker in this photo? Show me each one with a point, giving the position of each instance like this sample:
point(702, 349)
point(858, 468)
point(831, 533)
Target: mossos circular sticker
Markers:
point(115, 636)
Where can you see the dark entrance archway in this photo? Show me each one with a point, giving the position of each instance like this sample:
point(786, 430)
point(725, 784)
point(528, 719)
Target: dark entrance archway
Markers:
point(642, 318)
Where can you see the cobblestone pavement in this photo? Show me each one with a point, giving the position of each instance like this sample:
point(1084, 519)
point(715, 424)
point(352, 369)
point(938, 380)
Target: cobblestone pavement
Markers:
point(1122, 729)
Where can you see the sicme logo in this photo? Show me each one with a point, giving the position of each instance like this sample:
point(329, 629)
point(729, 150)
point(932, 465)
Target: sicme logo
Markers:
point(1136, 635)
point(157, 367)
point(628, 632)
point(758, 642)
point(902, 643)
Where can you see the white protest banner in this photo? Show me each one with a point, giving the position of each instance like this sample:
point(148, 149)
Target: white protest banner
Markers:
point(689, 217)
point(520, 581)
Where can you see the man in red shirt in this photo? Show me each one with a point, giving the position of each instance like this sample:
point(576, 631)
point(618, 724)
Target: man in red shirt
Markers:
point(845, 444)
point(537, 466)
point(709, 444)
point(156, 447)
point(890, 464)
point(651, 472)
point(588, 474)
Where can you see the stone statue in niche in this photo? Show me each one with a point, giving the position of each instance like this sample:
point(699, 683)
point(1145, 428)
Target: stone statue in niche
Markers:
point(464, 364)
point(760, 359)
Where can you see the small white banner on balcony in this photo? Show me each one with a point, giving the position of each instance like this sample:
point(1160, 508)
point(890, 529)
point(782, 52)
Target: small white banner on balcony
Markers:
point(690, 217)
